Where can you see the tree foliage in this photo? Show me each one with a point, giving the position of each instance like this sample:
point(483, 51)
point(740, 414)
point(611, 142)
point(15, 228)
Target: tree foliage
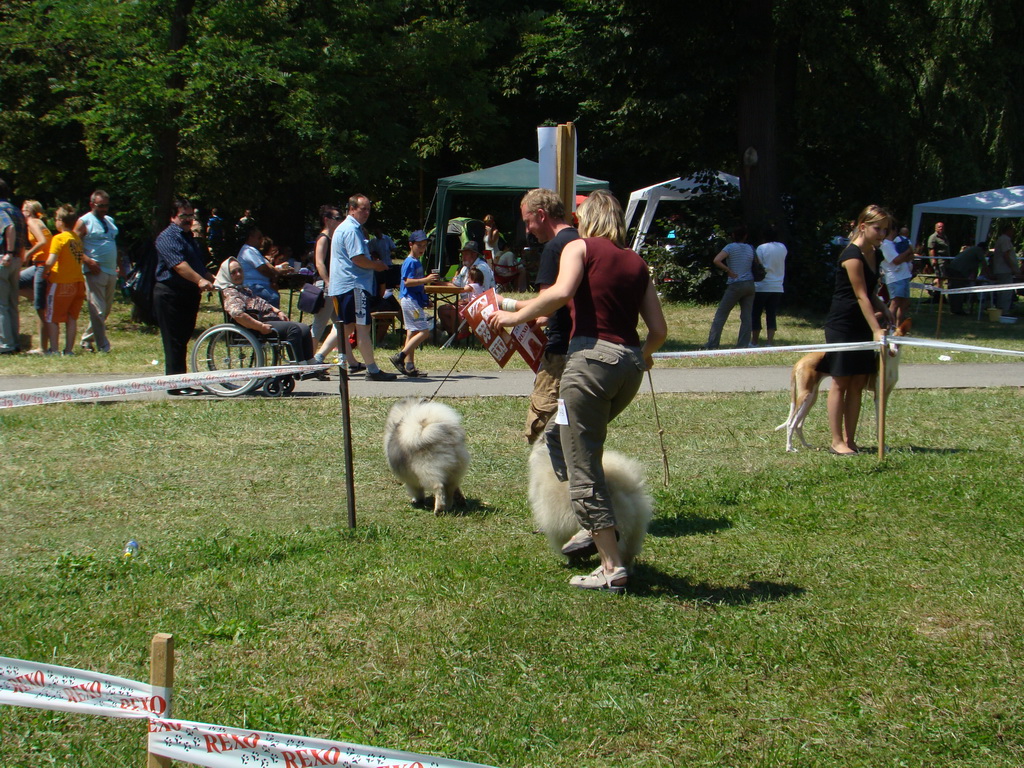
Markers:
point(279, 105)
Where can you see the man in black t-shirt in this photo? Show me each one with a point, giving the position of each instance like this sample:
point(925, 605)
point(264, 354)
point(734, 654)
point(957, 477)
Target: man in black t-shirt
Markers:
point(544, 216)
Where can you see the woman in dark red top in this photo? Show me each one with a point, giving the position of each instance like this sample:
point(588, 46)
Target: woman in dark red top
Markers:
point(610, 289)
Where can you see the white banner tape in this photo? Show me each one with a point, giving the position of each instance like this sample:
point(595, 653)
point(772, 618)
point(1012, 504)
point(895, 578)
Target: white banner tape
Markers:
point(898, 340)
point(219, 747)
point(852, 347)
point(45, 686)
point(912, 341)
point(78, 392)
point(991, 288)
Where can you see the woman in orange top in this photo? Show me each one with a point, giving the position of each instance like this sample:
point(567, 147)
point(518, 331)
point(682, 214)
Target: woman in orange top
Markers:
point(65, 292)
point(33, 276)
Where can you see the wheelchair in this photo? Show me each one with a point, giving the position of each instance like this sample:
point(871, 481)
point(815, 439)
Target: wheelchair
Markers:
point(229, 346)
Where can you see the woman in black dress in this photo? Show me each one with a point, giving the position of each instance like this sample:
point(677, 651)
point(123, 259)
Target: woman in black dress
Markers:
point(854, 316)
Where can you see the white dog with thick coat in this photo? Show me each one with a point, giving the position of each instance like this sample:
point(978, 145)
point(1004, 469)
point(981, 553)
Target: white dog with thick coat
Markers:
point(552, 512)
point(425, 445)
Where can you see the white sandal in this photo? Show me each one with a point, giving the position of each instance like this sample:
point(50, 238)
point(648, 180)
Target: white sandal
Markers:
point(598, 579)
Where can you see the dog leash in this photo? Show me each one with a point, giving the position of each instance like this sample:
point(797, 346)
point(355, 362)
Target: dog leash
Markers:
point(661, 431)
point(447, 375)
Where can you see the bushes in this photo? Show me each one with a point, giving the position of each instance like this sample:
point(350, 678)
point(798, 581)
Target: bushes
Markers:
point(681, 277)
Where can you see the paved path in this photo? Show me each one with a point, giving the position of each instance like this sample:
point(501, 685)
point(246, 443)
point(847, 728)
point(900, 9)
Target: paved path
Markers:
point(496, 383)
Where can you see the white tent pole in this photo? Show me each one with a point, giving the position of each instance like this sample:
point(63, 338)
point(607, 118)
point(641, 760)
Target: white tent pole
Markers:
point(631, 209)
point(634, 203)
point(915, 224)
point(981, 230)
point(653, 198)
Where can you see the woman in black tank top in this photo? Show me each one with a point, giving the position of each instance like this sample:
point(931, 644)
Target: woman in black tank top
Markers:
point(852, 317)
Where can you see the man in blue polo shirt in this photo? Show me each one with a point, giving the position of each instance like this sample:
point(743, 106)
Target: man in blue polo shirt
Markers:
point(99, 265)
point(352, 284)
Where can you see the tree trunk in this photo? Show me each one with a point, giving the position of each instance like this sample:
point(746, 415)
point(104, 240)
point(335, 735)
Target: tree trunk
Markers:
point(756, 119)
point(167, 136)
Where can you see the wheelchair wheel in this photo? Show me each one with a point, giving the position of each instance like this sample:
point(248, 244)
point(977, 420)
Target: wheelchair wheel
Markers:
point(289, 385)
point(227, 347)
point(274, 387)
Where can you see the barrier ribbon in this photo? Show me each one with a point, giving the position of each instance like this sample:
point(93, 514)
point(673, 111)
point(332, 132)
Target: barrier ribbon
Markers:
point(45, 686)
point(897, 340)
point(850, 347)
point(219, 747)
point(78, 392)
point(990, 288)
point(911, 341)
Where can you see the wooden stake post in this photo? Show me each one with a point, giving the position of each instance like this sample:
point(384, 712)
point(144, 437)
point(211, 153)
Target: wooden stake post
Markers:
point(880, 391)
point(565, 162)
point(161, 674)
point(346, 426)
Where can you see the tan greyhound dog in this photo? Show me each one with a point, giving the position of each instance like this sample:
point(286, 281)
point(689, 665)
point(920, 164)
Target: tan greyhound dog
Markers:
point(804, 388)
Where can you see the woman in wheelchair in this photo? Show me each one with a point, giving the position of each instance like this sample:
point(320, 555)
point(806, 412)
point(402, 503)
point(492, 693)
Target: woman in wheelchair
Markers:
point(261, 316)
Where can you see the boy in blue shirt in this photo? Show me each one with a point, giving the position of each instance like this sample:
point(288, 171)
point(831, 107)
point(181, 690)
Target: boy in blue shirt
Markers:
point(415, 302)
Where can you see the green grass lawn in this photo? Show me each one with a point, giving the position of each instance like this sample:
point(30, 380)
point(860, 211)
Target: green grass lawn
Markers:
point(788, 609)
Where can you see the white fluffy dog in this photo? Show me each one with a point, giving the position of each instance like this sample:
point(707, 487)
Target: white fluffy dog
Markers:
point(425, 445)
point(552, 513)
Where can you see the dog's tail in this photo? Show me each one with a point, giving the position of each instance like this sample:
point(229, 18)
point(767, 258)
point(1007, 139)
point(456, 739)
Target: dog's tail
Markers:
point(417, 434)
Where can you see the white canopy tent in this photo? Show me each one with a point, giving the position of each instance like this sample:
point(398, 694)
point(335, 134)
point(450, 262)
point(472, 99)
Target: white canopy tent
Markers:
point(673, 189)
point(984, 206)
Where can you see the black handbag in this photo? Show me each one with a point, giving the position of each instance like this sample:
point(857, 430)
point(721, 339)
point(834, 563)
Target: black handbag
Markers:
point(312, 299)
point(757, 268)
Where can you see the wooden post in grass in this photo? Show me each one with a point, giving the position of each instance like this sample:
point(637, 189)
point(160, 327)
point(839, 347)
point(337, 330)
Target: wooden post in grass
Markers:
point(565, 164)
point(161, 675)
point(880, 392)
point(346, 427)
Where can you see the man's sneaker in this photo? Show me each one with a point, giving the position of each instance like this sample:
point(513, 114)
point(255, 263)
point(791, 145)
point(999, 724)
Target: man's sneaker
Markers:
point(381, 376)
point(398, 361)
point(580, 545)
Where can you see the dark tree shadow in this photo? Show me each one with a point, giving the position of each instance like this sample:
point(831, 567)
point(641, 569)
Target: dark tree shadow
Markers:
point(924, 450)
point(463, 508)
point(648, 581)
point(687, 525)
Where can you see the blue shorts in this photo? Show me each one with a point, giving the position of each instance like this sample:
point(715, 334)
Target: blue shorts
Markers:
point(352, 307)
point(34, 277)
point(899, 289)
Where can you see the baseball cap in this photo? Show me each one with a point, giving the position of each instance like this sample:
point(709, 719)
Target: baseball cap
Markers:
point(418, 236)
point(471, 245)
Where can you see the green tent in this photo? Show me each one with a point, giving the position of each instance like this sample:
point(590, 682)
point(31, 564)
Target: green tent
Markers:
point(517, 176)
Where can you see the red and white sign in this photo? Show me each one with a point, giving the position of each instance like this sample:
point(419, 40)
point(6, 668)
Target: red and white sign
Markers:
point(528, 341)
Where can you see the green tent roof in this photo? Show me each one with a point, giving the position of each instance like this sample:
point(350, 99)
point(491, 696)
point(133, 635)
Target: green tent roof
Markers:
point(517, 176)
